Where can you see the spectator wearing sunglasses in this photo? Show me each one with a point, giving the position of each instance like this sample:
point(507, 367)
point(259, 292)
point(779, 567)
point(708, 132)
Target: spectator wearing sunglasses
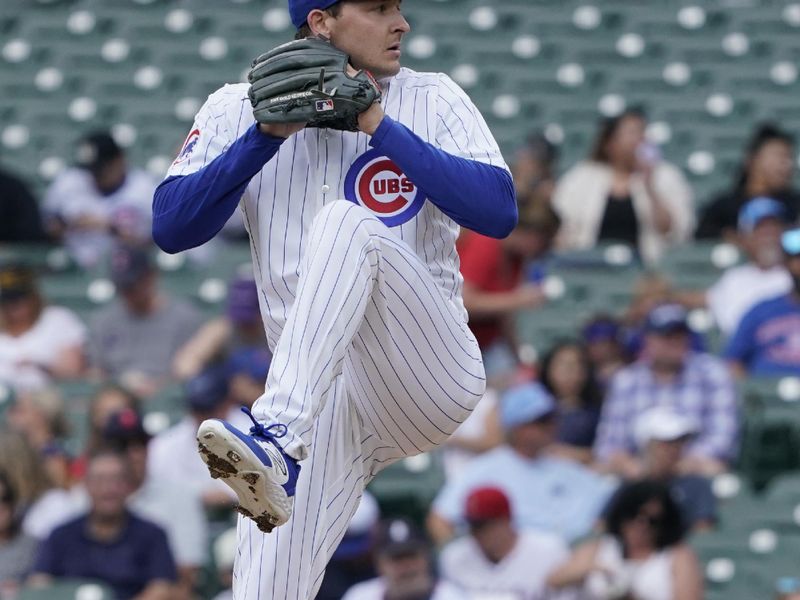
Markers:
point(767, 341)
point(642, 555)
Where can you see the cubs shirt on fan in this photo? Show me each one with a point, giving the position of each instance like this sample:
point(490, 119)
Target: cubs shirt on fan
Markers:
point(767, 341)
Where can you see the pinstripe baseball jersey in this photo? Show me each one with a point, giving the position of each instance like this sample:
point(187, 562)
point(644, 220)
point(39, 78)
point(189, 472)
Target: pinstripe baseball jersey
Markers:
point(360, 296)
point(317, 166)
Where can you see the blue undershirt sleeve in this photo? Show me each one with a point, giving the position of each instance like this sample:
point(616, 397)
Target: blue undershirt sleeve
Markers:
point(189, 210)
point(475, 195)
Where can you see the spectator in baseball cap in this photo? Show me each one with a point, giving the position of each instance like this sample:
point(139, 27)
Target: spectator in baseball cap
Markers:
point(403, 562)
point(548, 492)
point(168, 503)
point(671, 374)
point(134, 339)
point(173, 452)
point(763, 276)
point(497, 558)
point(763, 344)
point(603, 338)
point(662, 436)
point(100, 201)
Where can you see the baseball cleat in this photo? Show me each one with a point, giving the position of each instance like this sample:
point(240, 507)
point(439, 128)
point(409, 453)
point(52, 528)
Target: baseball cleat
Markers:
point(254, 466)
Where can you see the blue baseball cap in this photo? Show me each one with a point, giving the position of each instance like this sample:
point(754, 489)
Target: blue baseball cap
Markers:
point(790, 242)
point(208, 390)
point(600, 329)
point(758, 209)
point(524, 404)
point(299, 9)
point(667, 318)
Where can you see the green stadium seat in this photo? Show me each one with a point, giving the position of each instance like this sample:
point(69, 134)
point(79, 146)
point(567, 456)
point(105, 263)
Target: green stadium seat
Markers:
point(68, 590)
point(771, 436)
point(407, 487)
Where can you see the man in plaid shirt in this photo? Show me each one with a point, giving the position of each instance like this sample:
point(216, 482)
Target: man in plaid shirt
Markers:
point(698, 386)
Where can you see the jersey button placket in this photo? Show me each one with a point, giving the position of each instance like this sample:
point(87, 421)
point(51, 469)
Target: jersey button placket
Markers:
point(326, 188)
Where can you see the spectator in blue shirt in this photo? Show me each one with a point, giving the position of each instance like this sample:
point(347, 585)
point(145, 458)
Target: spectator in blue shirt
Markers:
point(670, 374)
point(109, 544)
point(552, 494)
point(767, 341)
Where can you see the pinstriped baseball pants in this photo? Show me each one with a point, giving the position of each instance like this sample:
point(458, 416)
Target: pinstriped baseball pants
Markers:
point(374, 364)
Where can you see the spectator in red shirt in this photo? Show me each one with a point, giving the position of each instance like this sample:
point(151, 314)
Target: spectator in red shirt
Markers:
point(496, 286)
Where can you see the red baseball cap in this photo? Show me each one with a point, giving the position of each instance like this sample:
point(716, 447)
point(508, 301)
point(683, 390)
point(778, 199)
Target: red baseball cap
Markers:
point(487, 504)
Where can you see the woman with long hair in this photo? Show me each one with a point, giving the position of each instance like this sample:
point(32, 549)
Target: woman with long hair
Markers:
point(767, 170)
point(643, 554)
point(568, 375)
point(624, 193)
point(42, 504)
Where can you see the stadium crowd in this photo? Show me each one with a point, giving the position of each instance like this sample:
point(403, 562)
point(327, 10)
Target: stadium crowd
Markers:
point(581, 475)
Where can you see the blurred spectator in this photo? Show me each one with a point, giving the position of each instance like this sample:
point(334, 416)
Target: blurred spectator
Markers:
point(496, 285)
point(17, 550)
point(352, 561)
point(662, 436)
point(787, 588)
point(643, 555)
point(403, 562)
point(535, 168)
point(224, 557)
point(497, 560)
point(99, 201)
point(39, 415)
point(20, 220)
point(109, 543)
point(38, 343)
point(173, 453)
point(109, 399)
point(650, 290)
point(761, 223)
point(602, 337)
point(478, 434)
point(767, 341)
point(134, 340)
point(625, 193)
point(568, 375)
point(165, 502)
point(41, 503)
point(767, 170)
point(236, 340)
point(670, 374)
point(549, 493)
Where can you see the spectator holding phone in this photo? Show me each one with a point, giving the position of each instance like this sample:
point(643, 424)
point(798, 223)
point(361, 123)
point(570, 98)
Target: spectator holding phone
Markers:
point(624, 193)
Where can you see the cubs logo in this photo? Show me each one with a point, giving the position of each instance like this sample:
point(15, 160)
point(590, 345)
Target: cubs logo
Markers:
point(188, 146)
point(378, 184)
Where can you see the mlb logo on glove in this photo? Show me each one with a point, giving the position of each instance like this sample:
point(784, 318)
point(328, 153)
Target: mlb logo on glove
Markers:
point(324, 105)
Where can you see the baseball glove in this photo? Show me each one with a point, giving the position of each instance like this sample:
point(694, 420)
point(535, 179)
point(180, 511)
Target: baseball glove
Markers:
point(307, 81)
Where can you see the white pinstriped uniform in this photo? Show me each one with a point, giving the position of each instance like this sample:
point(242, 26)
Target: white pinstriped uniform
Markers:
point(373, 360)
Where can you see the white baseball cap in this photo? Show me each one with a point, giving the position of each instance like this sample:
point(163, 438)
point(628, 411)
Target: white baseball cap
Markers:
point(662, 424)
